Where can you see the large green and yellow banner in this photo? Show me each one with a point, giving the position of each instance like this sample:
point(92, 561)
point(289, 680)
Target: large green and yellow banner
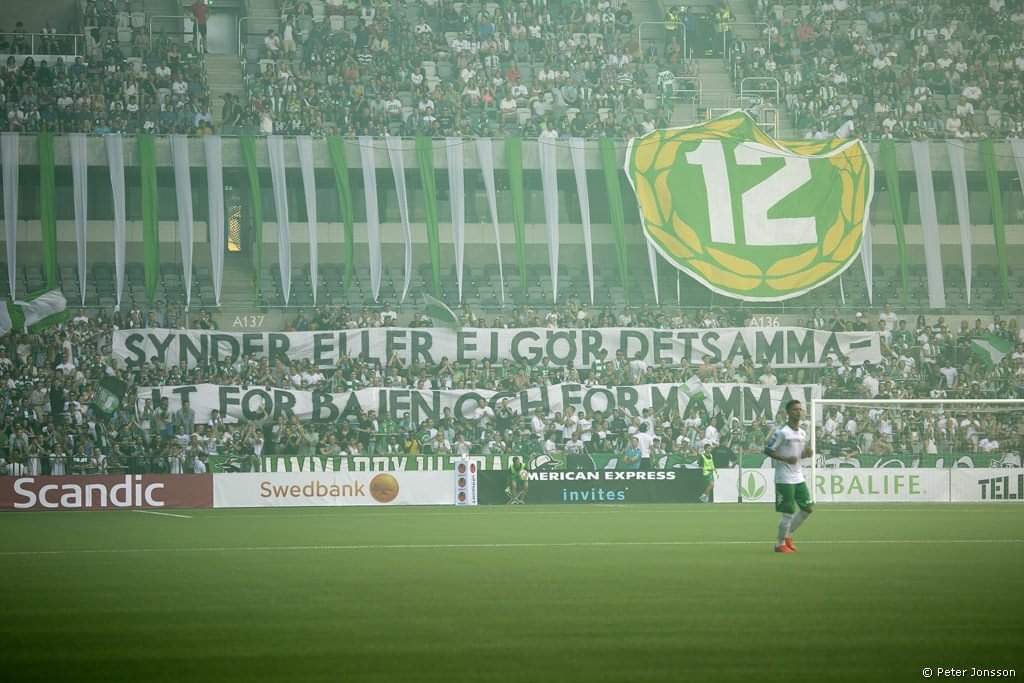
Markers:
point(749, 216)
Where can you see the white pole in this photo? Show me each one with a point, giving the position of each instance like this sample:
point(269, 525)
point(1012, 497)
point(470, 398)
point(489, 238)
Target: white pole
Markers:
point(814, 452)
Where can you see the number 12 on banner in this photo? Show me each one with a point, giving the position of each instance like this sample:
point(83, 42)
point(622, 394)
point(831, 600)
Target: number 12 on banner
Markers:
point(759, 230)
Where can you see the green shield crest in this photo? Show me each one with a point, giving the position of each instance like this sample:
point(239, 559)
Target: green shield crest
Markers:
point(748, 216)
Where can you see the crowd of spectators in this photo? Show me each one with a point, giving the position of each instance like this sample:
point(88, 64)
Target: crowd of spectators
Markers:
point(120, 80)
point(942, 69)
point(47, 423)
point(440, 68)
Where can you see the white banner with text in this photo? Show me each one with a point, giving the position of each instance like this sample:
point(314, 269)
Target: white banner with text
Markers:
point(779, 347)
point(235, 403)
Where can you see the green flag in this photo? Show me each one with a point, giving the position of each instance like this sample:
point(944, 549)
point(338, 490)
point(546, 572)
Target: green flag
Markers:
point(440, 313)
point(425, 158)
point(514, 164)
point(255, 205)
point(887, 155)
point(108, 396)
point(610, 166)
point(991, 349)
point(988, 159)
point(35, 313)
point(750, 217)
point(336, 150)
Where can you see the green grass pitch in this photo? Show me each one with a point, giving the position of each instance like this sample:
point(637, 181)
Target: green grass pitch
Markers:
point(613, 593)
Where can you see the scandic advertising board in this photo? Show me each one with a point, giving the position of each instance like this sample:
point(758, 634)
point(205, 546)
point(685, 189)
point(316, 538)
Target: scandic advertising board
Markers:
point(282, 489)
point(108, 492)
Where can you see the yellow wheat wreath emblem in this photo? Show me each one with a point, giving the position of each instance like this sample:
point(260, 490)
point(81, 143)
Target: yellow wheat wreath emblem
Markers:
point(749, 216)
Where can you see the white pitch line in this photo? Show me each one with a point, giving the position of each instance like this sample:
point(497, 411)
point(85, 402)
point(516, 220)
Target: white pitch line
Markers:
point(490, 546)
point(163, 514)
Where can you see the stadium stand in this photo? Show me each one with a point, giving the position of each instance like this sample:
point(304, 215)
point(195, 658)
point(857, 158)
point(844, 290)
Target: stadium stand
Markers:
point(440, 68)
point(452, 68)
point(48, 379)
point(895, 69)
point(113, 74)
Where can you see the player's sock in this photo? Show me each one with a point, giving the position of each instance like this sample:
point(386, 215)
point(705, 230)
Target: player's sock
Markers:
point(784, 527)
point(798, 519)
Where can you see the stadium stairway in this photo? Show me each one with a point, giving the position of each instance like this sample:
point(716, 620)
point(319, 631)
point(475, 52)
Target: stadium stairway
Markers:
point(237, 288)
point(263, 15)
point(223, 75)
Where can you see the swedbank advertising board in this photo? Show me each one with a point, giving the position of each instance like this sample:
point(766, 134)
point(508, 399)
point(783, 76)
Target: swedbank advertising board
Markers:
point(751, 217)
point(298, 489)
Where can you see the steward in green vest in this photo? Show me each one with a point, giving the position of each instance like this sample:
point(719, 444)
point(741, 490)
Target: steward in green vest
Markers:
point(707, 467)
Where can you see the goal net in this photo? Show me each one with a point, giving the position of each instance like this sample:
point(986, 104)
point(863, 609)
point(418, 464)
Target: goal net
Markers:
point(904, 433)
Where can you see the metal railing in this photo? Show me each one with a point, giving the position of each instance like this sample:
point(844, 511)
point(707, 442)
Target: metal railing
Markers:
point(42, 43)
point(762, 88)
point(726, 52)
point(680, 29)
point(242, 37)
point(687, 88)
point(182, 31)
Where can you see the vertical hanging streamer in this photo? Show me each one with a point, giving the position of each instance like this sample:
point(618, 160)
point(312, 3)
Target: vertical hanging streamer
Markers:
point(9, 154)
point(248, 144)
point(887, 154)
point(48, 208)
point(612, 185)
point(514, 165)
point(183, 194)
point(336, 150)
point(305, 145)
point(547, 148)
point(652, 261)
point(995, 194)
point(425, 161)
point(867, 259)
point(150, 215)
point(213, 148)
point(958, 167)
point(579, 168)
point(929, 223)
point(369, 164)
point(279, 178)
point(394, 145)
point(80, 199)
point(115, 163)
point(485, 154)
point(457, 200)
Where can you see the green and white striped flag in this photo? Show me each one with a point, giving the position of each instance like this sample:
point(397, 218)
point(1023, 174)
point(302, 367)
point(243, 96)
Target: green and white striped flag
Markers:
point(440, 313)
point(991, 349)
point(37, 312)
point(694, 389)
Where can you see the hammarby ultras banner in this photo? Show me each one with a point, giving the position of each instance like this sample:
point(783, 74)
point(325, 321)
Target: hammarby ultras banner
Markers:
point(751, 217)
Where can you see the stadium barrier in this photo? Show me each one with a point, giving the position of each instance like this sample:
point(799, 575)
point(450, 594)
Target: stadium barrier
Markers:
point(108, 492)
point(413, 462)
point(576, 487)
point(881, 485)
point(456, 487)
point(344, 488)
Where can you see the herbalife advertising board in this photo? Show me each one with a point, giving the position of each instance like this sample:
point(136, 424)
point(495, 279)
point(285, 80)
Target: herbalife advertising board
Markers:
point(903, 485)
point(600, 486)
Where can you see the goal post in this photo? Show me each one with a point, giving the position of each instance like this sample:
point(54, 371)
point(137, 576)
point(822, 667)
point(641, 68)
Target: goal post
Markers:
point(922, 412)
